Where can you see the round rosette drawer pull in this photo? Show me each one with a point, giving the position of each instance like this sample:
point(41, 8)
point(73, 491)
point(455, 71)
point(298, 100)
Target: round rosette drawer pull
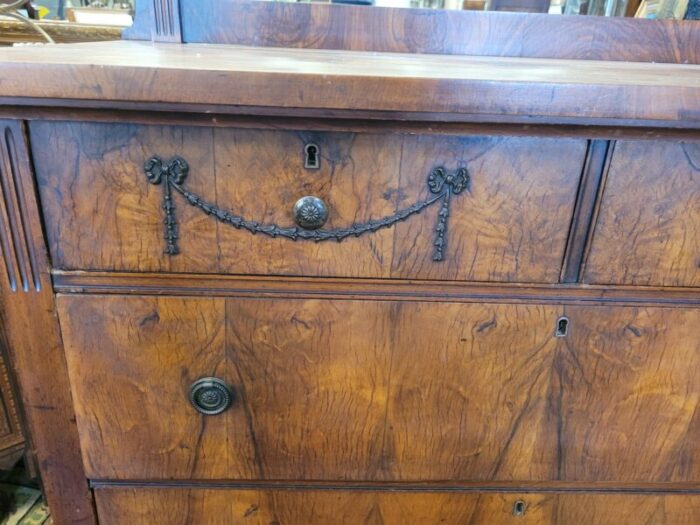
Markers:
point(210, 396)
point(310, 212)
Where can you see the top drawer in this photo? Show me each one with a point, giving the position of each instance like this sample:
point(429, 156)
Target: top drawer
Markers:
point(499, 210)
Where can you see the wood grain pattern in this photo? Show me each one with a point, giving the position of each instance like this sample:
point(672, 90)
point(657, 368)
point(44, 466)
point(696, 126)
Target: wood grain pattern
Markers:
point(640, 368)
point(103, 214)
point(33, 337)
point(131, 371)
point(240, 60)
point(438, 31)
point(357, 178)
point(381, 390)
point(173, 506)
point(371, 384)
point(107, 161)
point(513, 224)
point(500, 89)
point(648, 228)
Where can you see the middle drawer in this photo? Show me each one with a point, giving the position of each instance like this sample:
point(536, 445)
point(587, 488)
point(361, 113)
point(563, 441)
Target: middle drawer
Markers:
point(403, 206)
point(330, 389)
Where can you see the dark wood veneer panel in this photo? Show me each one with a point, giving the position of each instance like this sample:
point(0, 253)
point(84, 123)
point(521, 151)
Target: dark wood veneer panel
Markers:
point(385, 391)
point(509, 225)
point(317, 26)
point(626, 391)
point(648, 227)
point(131, 362)
point(512, 223)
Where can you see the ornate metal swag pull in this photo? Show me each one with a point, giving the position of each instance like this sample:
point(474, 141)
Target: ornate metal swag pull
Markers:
point(172, 175)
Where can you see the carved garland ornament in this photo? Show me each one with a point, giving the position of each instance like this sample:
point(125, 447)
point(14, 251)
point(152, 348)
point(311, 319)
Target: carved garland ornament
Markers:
point(172, 175)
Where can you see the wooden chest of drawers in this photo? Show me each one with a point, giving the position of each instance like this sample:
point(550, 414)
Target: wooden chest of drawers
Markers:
point(304, 286)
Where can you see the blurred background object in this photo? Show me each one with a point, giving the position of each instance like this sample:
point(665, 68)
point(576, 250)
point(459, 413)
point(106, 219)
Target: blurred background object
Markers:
point(693, 11)
point(662, 9)
point(596, 7)
point(520, 6)
point(22, 22)
point(58, 9)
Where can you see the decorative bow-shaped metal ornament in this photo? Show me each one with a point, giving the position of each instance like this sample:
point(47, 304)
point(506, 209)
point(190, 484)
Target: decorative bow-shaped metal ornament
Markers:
point(456, 182)
point(176, 170)
point(172, 175)
point(446, 184)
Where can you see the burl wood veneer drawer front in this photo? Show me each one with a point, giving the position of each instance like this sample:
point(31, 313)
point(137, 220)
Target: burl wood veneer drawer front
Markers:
point(499, 211)
point(648, 230)
point(181, 506)
point(383, 390)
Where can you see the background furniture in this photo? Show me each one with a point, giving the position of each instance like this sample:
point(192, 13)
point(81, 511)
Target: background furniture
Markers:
point(13, 444)
point(14, 31)
point(374, 266)
point(25, 6)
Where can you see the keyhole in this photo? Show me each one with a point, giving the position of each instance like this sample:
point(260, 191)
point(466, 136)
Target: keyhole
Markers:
point(519, 508)
point(562, 326)
point(311, 157)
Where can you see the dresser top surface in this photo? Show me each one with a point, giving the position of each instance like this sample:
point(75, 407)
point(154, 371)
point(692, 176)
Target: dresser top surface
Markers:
point(128, 71)
point(288, 61)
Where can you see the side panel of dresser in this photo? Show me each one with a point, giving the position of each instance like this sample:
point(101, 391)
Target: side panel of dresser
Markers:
point(33, 335)
point(509, 224)
point(381, 390)
point(648, 227)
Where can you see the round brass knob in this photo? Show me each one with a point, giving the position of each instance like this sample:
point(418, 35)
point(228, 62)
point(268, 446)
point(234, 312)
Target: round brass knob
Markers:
point(310, 212)
point(210, 396)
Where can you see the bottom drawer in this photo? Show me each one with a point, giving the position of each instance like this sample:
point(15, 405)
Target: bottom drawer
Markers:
point(173, 506)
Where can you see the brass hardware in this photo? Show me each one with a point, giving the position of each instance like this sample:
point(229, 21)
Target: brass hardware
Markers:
point(310, 212)
point(210, 396)
point(312, 156)
point(309, 215)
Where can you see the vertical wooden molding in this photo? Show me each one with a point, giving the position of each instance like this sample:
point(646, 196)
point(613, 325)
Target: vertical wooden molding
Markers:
point(33, 335)
point(582, 220)
point(15, 241)
point(166, 21)
point(596, 211)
